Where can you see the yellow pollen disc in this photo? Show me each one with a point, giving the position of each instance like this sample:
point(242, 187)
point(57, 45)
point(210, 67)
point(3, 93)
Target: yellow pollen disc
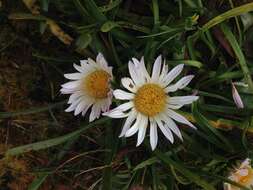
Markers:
point(96, 84)
point(150, 99)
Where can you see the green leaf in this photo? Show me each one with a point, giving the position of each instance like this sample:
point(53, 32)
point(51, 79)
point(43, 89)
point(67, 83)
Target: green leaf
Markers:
point(108, 26)
point(83, 41)
point(145, 163)
point(229, 14)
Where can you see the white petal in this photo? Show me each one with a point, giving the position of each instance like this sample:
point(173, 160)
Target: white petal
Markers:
point(164, 71)
point(92, 63)
point(128, 84)
point(126, 106)
point(142, 131)
point(128, 123)
point(101, 60)
point(174, 107)
point(141, 69)
point(86, 109)
point(105, 105)
point(173, 74)
point(95, 112)
point(181, 100)
point(122, 95)
point(83, 63)
point(172, 125)
point(165, 130)
point(236, 97)
point(133, 73)
point(72, 107)
point(80, 107)
point(79, 68)
point(67, 91)
point(75, 96)
point(157, 69)
point(179, 118)
point(183, 82)
point(153, 135)
point(135, 127)
point(73, 76)
point(72, 84)
point(115, 114)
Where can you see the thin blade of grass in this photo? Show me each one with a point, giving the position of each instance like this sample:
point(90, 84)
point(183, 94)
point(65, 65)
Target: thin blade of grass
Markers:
point(239, 54)
point(52, 142)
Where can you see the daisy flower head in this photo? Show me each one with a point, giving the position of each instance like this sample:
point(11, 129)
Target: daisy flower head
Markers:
point(149, 101)
point(89, 87)
point(242, 175)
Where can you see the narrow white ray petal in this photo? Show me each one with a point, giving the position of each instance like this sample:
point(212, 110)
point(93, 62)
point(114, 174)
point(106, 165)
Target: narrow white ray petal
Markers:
point(95, 112)
point(140, 69)
point(144, 70)
point(105, 104)
point(128, 84)
point(165, 130)
point(126, 106)
point(153, 135)
point(72, 107)
point(236, 97)
point(174, 107)
point(133, 73)
point(67, 91)
point(173, 74)
point(142, 130)
point(156, 69)
point(74, 96)
point(71, 85)
point(181, 100)
point(179, 118)
point(128, 122)
point(92, 62)
point(183, 82)
point(73, 76)
point(101, 60)
point(78, 68)
point(164, 71)
point(122, 95)
point(172, 126)
point(83, 63)
point(115, 114)
point(80, 107)
point(135, 127)
point(86, 109)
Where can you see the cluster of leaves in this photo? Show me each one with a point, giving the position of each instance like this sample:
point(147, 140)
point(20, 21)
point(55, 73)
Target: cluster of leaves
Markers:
point(211, 38)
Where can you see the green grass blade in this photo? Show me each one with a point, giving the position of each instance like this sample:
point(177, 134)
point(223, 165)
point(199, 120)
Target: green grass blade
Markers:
point(52, 142)
point(32, 110)
point(184, 171)
point(239, 54)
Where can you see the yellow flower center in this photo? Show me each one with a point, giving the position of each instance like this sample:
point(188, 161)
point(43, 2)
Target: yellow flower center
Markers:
point(150, 99)
point(96, 84)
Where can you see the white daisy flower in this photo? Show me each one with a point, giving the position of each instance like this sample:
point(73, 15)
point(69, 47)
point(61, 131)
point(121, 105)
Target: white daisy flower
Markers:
point(242, 175)
point(89, 87)
point(149, 102)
